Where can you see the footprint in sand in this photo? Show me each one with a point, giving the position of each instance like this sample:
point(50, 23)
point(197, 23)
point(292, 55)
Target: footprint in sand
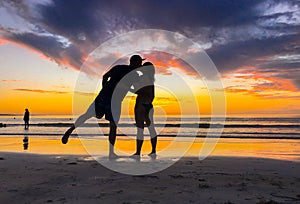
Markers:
point(12, 190)
point(176, 176)
point(62, 200)
point(203, 185)
point(189, 162)
point(146, 176)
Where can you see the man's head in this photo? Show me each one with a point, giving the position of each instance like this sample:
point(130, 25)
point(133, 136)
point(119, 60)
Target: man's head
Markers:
point(136, 61)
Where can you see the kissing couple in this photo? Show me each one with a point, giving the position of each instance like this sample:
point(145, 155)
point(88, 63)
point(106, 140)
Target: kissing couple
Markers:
point(138, 78)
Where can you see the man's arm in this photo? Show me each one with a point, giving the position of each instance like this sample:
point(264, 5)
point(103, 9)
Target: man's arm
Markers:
point(106, 77)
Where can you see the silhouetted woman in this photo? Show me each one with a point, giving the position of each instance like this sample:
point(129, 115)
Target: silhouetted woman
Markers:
point(143, 110)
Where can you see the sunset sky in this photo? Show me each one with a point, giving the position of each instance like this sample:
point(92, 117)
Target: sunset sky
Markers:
point(254, 44)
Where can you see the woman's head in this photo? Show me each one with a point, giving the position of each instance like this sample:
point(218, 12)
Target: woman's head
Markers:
point(148, 70)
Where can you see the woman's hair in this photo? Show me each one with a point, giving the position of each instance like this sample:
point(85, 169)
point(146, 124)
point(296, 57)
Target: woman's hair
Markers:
point(149, 70)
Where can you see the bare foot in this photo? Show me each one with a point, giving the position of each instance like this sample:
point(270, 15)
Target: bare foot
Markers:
point(66, 136)
point(135, 156)
point(113, 156)
point(152, 155)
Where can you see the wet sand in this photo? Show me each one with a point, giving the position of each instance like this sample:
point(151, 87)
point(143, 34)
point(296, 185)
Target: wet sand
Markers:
point(236, 172)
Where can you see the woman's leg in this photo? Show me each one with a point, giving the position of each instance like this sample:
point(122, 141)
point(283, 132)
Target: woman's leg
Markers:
point(150, 123)
point(139, 114)
point(139, 141)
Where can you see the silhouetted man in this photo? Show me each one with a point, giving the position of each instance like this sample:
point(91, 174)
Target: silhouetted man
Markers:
point(103, 105)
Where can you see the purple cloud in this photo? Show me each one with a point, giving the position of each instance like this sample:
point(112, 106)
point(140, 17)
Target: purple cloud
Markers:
point(234, 33)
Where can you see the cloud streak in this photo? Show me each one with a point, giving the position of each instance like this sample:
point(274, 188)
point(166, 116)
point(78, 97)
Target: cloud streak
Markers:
point(10, 80)
point(42, 91)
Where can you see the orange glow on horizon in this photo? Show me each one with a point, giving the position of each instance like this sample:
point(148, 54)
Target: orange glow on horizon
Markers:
point(248, 91)
point(53, 103)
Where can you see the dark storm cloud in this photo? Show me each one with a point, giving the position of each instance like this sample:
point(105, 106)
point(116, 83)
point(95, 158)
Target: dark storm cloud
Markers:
point(47, 44)
point(52, 48)
point(74, 19)
point(98, 19)
point(247, 53)
point(239, 33)
point(176, 14)
point(95, 21)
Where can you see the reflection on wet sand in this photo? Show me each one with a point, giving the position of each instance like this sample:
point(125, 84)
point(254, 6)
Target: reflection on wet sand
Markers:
point(25, 142)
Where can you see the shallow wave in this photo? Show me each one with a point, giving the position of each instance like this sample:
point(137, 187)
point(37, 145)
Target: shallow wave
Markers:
point(186, 125)
point(292, 136)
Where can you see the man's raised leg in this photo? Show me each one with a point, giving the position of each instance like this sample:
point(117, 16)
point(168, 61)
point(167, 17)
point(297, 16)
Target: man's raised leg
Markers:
point(77, 123)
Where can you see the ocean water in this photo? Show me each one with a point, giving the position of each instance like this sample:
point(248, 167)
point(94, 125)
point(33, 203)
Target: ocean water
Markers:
point(232, 127)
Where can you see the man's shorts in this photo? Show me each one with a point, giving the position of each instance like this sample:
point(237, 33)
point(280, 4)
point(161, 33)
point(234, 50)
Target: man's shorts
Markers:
point(103, 106)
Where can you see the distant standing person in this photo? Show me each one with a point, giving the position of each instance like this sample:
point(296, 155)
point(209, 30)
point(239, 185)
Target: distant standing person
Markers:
point(26, 118)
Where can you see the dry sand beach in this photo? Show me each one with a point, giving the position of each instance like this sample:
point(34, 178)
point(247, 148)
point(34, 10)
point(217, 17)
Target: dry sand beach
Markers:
point(28, 177)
